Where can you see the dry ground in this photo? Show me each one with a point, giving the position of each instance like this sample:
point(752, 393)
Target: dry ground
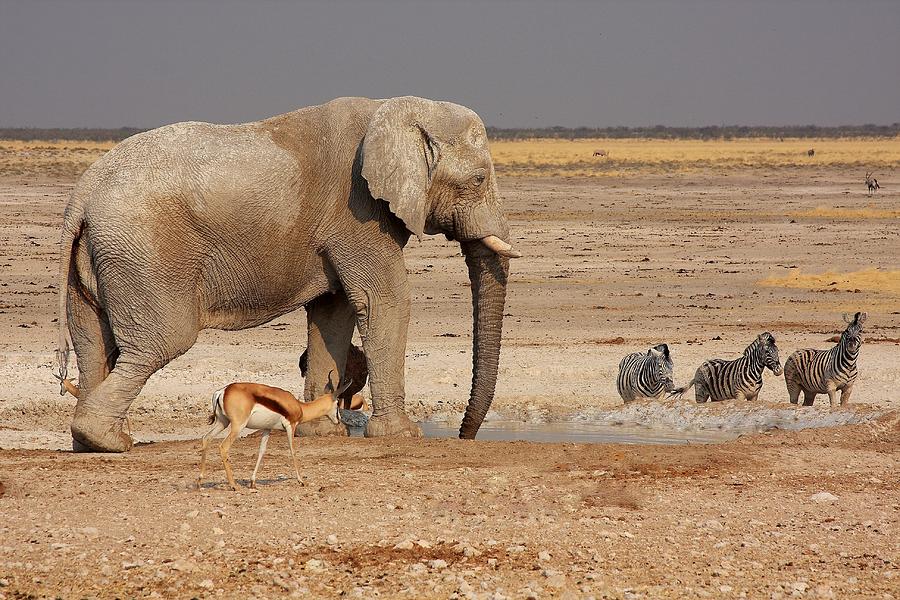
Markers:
point(703, 260)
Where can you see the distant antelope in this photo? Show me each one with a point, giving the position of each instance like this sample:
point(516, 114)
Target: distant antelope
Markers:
point(872, 183)
point(811, 152)
point(601, 153)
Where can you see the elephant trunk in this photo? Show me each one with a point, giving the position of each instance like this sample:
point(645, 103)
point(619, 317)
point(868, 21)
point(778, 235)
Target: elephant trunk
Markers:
point(488, 273)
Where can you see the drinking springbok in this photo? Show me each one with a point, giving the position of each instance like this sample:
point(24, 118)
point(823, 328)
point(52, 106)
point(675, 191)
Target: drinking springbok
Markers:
point(826, 371)
point(263, 407)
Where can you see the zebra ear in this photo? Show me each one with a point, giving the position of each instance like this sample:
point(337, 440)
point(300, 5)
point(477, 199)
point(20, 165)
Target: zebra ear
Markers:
point(861, 317)
point(846, 318)
point(654, 353)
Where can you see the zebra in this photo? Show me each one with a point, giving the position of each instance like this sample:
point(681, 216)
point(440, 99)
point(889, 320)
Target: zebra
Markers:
point(826, 371)
point(644, 376)
point(740, 379)
point(872, 183)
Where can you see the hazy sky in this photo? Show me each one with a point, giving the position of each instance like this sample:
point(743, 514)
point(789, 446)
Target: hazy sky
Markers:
point(110, 63)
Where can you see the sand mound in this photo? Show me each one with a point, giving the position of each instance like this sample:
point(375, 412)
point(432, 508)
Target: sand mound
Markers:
point(874, 280)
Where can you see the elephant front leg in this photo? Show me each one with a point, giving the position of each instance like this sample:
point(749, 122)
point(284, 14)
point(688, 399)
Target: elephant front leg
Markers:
point(383, 326)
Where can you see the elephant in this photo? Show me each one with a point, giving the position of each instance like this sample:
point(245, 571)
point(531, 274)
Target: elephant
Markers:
point(197, 225)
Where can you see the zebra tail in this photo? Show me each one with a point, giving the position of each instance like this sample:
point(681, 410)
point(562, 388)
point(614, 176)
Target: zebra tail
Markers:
point(677, 393)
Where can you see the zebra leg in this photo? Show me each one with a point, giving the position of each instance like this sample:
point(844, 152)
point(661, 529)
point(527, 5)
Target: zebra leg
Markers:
point(832, 395)
point(845, 394)
point(808, 398)
point(701, 393)
point(793, 391)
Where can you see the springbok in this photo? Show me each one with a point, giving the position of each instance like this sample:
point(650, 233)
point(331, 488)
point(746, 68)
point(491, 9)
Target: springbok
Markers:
point(263, 407)
point(601, 153)
point(872, 183)
point(811, 152)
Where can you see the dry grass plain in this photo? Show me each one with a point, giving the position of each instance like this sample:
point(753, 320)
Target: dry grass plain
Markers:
point(691, 243)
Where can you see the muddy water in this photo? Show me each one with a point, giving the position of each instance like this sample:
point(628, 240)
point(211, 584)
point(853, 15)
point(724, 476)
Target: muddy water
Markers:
point(580, 433)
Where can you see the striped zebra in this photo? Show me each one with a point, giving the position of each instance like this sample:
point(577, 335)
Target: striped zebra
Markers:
point(740, 379)
point(644, 376)
point(826, 371)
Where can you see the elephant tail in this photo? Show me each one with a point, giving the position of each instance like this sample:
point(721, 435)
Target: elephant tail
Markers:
point(72, 227)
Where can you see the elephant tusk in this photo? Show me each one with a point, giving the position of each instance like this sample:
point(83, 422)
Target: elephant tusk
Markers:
point(500, 247)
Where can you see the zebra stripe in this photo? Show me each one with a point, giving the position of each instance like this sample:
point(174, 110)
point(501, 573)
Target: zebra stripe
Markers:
point(718, 379)
point(645, 376)
point(826, 371)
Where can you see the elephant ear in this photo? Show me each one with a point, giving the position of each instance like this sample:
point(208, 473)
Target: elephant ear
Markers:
point(400, 157)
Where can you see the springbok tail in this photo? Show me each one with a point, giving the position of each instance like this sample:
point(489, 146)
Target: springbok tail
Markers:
point(217, 406)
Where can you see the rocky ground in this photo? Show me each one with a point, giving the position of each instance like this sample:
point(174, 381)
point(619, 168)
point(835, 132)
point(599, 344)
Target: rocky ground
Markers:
point(703, 263)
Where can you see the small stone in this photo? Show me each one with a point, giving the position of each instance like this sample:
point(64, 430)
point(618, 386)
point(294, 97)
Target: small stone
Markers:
point(4, 582)
point(799, 586)
point(423, 544)
point(822, 497)
point(405, 545)
point(315, 565)
point(90, 531)
point(543, 555)
point(626, 534)
point(469, 552)
point(517, 548)
point(193, 514)
point(58, 546)
point(331, 540)
point(725, 588)
point(437, 563)
point(206, 584)
point(218, 531)
point(132, 565)
point(556, 581)
point(529, 593)
point(185, 527)
point(713, 524)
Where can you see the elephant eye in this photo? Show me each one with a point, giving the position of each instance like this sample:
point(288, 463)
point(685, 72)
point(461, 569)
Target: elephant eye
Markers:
point(478, 178)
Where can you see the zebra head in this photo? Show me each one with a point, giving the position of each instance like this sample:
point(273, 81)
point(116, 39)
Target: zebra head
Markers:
point(770, 352)
point(852, 336)
point(664, 371)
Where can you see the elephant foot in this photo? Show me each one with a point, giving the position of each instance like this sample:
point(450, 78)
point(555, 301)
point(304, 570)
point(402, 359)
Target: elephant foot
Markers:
point(322, 427)
point(94, 433)
point(395, 424)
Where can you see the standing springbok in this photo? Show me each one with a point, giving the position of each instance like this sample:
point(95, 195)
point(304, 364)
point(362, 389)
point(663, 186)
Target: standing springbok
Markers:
point(872, 183)
point(826, 371)
point(263, 407)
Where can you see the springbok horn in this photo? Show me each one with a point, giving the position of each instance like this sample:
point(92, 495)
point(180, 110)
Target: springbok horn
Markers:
point(500, 247)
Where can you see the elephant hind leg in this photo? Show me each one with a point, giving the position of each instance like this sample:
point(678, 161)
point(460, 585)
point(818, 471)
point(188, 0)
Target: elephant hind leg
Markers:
point(95, 348)
point(100, 413)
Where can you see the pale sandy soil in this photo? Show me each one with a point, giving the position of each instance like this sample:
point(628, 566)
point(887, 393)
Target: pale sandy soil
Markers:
point(677, 259)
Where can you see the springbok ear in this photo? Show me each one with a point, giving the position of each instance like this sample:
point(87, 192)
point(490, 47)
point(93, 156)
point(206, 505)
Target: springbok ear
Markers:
point(399, 157)
point(329, 387)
